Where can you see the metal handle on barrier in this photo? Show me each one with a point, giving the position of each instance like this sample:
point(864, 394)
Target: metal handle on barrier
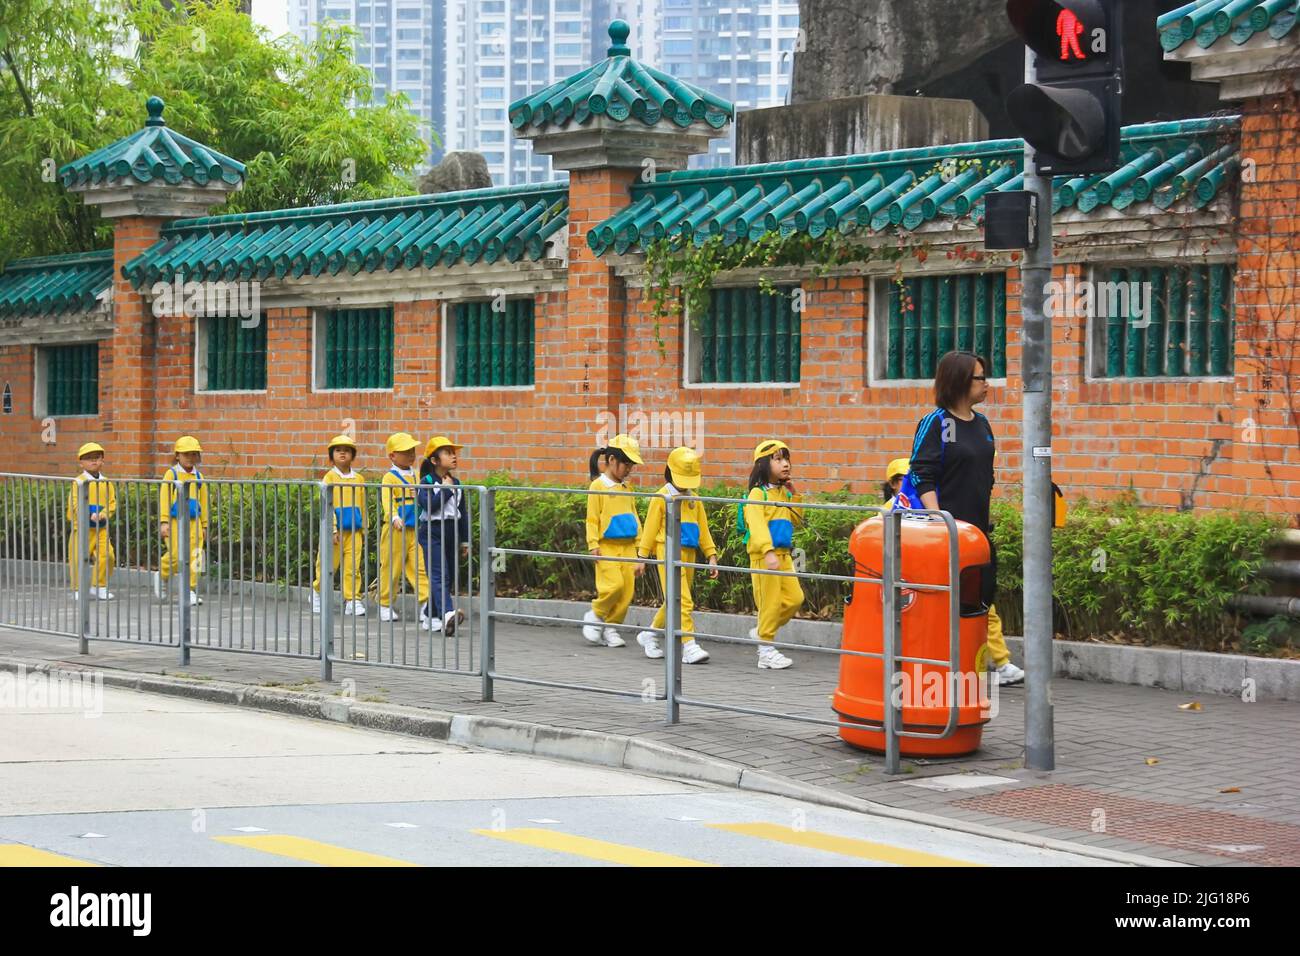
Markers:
point(672, 606)
point(83, 565)
point(326, 579)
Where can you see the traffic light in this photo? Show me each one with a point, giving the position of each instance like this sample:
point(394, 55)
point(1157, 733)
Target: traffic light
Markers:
point(1070, 114)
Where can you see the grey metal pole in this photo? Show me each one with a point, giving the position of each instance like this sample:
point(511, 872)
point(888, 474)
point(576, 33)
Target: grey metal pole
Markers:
point(1036, 376)
point(326, 578)
point(673, 607)
point(890, 631)
point(182, 499)
point(487, 590)
point(83, 565)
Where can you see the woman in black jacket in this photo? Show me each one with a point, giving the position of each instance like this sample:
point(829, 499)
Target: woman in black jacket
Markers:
point(952, 469)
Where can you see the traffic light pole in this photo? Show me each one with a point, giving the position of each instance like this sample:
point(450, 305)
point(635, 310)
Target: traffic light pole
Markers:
point(1036, 377)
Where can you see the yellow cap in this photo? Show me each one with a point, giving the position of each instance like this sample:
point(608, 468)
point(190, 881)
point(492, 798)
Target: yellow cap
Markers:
point(440, 441)
point(628, 446)
point(400, 442)
point(769, 447)
point(897, 468)
point(341, 441)
point(90, 448)
point(187, 443)
point(684, 466)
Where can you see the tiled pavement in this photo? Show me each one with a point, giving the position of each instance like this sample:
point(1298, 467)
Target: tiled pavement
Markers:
point(1104, 792)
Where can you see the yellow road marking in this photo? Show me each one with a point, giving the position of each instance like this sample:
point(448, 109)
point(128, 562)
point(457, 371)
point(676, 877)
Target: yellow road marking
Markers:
point(592, 849)
point(16, 854)
point(310, 851)
point(847, 846)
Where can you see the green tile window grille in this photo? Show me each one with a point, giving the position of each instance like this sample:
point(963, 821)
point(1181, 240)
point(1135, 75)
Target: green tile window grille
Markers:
point(1189, 331)
point(359, 348)
point(931, 315)
point(72, 379)
point(749, 336)
point(493, 347)
point(236, 354)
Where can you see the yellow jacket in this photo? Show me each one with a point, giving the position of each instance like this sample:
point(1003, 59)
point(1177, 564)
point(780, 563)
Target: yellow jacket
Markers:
point(100, 497)
point(398, 497)
point(770, 524)
point(349, 500)
point(610, 517)
point(198, 495)
point(695, 525)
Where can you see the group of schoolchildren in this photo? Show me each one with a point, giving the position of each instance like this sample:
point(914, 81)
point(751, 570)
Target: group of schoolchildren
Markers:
point(425, 531)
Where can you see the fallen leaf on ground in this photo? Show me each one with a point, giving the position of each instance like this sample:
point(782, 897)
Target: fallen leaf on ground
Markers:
point(1194, 705)
point(1230, 790)
point(1152, 761)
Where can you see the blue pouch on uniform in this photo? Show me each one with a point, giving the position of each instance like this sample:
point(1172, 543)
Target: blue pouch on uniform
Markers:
point(782, 532)
point(690, 534)
point(621, 526)
point(94, 510)
point(349, 518)
point(409, 514)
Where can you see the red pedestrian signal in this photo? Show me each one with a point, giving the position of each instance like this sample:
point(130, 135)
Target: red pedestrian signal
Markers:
point(1070, 113)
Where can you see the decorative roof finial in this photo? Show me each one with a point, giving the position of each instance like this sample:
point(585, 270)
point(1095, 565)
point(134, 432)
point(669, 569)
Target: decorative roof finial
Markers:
point(618, 32)
point(155, 107)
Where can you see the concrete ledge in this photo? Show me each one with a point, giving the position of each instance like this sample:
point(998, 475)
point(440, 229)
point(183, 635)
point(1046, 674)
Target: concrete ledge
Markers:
point(581, 746)
point(218, 692)
point(1192, 672)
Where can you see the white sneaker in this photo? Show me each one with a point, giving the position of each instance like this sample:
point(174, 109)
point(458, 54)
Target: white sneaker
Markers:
point(354, 609)
point(158, 585)
point(650, 641)
point(613, 638)
point(428, 623)
point(591, 630)
point(102, 593)
point(387, 614)
point(195, 599)
point(753, 633)
point(450, 620)
point(1009, 673)
point(315, 602)
point(692, 653)
point(770, 658)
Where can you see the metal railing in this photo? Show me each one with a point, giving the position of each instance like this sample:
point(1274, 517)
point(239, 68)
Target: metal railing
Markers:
point(250, 558)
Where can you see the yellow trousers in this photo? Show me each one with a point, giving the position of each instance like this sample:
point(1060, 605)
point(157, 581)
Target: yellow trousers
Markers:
point(997, 643)
point(347, 552)
point(688, 600)
point(169, 565)
point(399, 551)
point(778, 599)
point(102, 558)
point(615, 582)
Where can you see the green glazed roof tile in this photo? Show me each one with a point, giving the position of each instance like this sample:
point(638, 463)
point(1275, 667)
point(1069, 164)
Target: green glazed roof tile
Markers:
point(1207, 21)
point(152, 154)
point(55, 284)
point(1174, 162)
point(621, 88)
point(405, 232)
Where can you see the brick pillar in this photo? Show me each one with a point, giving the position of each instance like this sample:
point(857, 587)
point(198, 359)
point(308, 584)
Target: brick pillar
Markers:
point(1265, 443)
point(588, 375)
point(132, 380)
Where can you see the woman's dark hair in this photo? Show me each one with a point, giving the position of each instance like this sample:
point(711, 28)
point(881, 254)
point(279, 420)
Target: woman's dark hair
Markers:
point(668, 474)
point(593, 465)
point(953, 377)
point(887, 489)
point(426, 468)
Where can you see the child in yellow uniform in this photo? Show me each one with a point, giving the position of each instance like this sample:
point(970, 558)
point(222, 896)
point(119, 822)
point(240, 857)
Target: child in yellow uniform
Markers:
point(612, 529)
point(172, 511)
point(682, 475)
point(101, 503)
point(768, 525)
point(399, 549)
point(349, 502)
